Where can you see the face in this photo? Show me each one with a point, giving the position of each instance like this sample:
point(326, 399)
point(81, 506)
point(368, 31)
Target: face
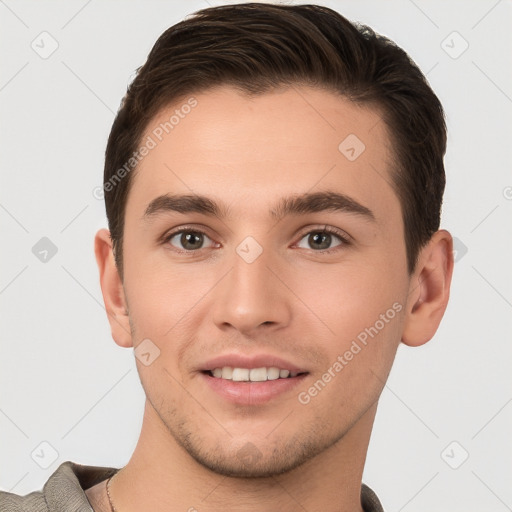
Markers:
point(286, 259)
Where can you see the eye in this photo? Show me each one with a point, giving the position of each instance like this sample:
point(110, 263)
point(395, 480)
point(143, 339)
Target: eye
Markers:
point(188, 240)
point(320, 240)
point(323, 239)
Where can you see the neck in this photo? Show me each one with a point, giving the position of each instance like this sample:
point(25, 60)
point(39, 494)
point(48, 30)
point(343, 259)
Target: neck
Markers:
point(161, 476)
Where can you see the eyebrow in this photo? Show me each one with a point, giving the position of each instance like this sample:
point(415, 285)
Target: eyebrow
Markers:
point(302, 204)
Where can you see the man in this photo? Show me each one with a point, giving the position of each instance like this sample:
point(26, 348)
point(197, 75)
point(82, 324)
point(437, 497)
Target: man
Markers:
point(273, 185)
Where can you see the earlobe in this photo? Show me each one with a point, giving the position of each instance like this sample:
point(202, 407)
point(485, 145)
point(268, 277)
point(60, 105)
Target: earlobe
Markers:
point(429, 290)
point(112, 289)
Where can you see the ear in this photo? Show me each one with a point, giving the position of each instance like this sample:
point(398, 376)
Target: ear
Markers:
point(429, 290)
point(112, 289)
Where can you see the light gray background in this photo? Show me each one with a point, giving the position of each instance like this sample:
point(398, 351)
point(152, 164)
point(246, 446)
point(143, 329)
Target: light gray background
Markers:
point(66, 384)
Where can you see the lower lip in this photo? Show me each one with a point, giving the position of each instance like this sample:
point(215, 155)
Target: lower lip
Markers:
point(251, 393)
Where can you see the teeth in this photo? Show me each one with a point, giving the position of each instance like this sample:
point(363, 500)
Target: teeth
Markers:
point(227, 372)
point(258, 374)
point(253, 374)
point(273, 373)
point(240, 374)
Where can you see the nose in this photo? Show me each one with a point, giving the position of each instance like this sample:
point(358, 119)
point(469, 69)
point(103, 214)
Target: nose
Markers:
point(252, 295)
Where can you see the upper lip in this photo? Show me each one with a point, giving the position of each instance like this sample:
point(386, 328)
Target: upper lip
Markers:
point(255, 361)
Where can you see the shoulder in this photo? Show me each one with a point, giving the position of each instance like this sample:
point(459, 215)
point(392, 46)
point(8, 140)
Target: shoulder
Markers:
point(33, 502)
point(369, 500)
point(64, 490)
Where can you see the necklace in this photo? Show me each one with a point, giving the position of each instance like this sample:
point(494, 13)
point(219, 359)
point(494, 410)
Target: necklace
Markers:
point(112, 508)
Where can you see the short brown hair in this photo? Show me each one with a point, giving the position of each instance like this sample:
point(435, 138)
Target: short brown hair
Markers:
point(257, 47)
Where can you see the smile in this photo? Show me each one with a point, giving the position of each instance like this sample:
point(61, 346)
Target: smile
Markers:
point(252, 374)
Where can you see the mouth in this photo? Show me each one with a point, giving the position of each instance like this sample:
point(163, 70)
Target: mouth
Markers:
point(262, 374)
point(251, 381)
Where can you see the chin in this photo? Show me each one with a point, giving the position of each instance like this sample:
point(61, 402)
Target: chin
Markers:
point(234, 467)
point(256, 460)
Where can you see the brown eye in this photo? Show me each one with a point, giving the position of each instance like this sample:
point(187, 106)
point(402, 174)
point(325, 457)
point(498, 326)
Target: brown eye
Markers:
point(188, 240)
point(321, 240)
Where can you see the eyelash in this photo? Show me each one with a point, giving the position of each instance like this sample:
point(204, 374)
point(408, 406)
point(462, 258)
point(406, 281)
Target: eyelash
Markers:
point(343, 237)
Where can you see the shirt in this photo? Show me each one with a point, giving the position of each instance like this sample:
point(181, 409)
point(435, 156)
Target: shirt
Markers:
point(64, 492)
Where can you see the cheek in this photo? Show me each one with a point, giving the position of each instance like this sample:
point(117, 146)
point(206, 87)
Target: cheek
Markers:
point(166, 306)
point(361, 310)
point(360, 350)
point(158, 292)
point(349, 298)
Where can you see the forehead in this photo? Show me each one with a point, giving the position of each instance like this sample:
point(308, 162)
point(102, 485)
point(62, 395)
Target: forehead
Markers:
point(290, 140)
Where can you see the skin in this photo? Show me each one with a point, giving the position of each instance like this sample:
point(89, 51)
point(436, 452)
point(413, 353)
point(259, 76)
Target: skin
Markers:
point(292, 301)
